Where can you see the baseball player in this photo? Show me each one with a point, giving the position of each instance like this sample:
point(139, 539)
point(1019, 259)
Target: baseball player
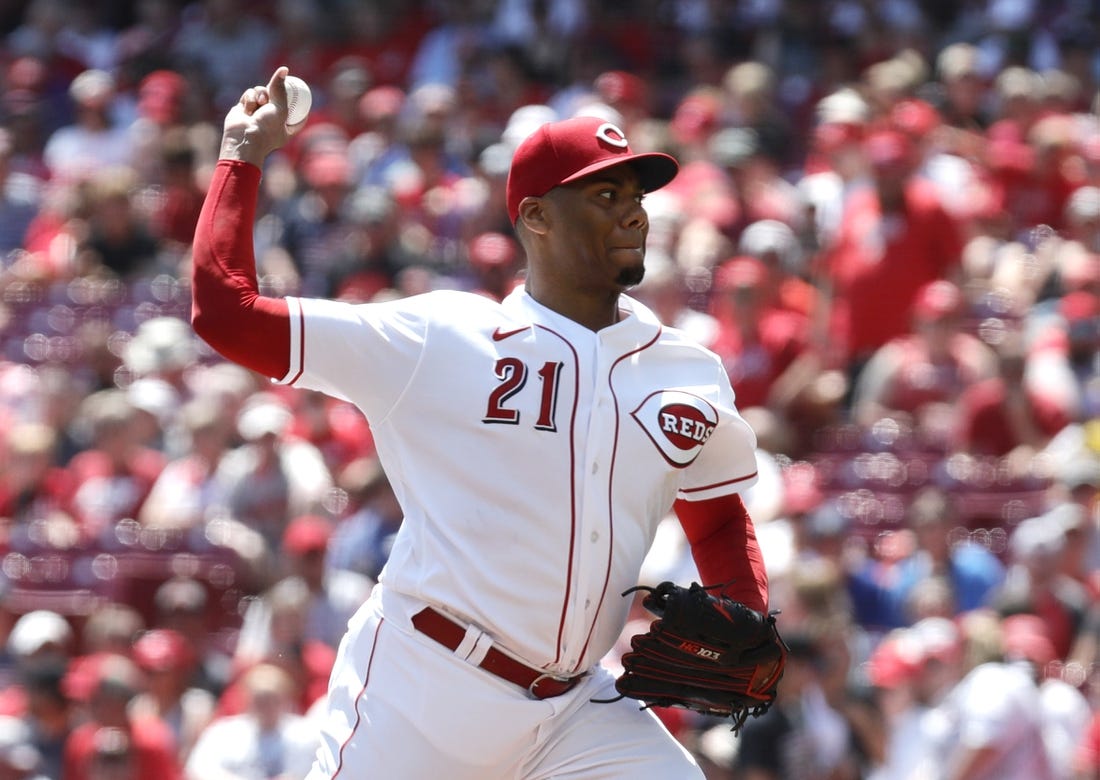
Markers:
point(534, 444)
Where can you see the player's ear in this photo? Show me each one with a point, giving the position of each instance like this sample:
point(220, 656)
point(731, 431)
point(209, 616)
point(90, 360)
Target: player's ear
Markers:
point(532, 214)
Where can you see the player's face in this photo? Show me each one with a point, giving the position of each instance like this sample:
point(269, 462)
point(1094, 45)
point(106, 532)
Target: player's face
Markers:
point(604, 229)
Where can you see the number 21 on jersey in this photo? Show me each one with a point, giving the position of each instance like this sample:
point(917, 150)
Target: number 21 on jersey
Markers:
point(512, 373)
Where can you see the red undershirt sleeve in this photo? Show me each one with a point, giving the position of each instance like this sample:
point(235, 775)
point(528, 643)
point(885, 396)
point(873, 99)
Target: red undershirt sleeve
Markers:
point(724, 547)
point(227, 310)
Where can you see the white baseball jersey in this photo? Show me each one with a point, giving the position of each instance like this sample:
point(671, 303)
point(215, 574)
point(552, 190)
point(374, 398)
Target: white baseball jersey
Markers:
point(533, 457)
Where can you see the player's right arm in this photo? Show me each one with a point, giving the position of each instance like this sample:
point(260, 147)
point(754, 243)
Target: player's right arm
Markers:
point(227, 310)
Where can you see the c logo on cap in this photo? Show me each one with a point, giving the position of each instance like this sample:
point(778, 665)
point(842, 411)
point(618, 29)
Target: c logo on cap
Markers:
point(612, 135)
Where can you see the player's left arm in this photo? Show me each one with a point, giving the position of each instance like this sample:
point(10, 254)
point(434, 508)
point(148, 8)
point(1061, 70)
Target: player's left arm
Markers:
point(724, 546)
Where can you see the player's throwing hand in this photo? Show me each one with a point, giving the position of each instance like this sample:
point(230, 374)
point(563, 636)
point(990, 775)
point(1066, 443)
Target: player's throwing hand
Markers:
point(256, 125)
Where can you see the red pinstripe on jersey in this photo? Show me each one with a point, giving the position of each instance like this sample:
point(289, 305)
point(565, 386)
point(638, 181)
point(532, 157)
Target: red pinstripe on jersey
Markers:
point(572, 489)
point(611, 481)
point(723, 483)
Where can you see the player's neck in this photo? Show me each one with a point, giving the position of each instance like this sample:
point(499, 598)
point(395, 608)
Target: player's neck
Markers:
point(594, 312)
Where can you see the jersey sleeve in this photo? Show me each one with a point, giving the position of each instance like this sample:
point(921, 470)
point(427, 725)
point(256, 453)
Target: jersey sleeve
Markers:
point(727, 462)
point(363, 353)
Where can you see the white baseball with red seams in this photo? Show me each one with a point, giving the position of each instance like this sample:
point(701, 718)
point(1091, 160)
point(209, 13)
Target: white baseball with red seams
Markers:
point(299, 100)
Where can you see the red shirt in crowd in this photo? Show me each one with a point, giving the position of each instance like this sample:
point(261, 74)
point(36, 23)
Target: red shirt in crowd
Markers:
point(152, 749)
point(985, 426)
point(754, 361)
point(879, 262)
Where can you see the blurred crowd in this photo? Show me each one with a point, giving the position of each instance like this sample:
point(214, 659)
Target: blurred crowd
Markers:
point(887, 224)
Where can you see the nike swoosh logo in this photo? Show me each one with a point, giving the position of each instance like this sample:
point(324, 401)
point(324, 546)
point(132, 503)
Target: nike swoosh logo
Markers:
point(500, 335)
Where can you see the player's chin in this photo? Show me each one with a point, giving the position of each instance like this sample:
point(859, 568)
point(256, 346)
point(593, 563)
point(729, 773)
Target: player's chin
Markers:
point(631, 276)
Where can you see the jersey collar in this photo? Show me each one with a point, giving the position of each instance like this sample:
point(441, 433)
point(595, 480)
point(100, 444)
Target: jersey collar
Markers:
point(638, 325)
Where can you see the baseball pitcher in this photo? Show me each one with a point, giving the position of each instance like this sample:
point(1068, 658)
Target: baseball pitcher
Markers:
point(534, 444)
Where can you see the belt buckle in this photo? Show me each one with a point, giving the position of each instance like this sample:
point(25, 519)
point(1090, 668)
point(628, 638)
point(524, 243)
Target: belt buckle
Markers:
point(545, 676)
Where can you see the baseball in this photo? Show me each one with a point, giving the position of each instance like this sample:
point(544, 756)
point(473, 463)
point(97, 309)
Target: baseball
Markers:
point(298, 100)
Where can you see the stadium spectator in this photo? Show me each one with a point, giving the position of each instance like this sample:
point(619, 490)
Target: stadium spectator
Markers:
point(167, 659)
point(1035, 583)
point(48, 716)
point(266, 740)
point(119, 239)
point(894, 237)
point(113, 682)
point(308, 238)
point(227, 43)
point(835, 163)
point(1064, 709)
point(182, 604)
point(276, 630)
point(271, 478)
point(175, 211)
point(186, 494)
point(751, 101)
point(922, 372)
point(336, 428)
point(757, 340)
point(385, 36)
point(33, 487)
point(927, 551)
point(665, 290)
point(992, 723)
point(779, 248)
point(145, 44)
point(494, 260)
point(96, 140)
point(334, 594)
point(115, 472)
point(112, 628)
point(912, 670)
point(1004, 416)
point(364, 534)
point(801, 735)
point(20, 197)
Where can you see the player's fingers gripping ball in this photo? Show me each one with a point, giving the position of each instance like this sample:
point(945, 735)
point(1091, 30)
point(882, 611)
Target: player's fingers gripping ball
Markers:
point(706, 653)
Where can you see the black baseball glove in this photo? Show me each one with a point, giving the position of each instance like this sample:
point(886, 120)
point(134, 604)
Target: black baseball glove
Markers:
point(706, 653)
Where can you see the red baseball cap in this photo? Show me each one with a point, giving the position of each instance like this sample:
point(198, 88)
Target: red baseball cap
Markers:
point(1079, 305)
point(738, 272)
point(307, 533)
point(888, 149)
point(491, 248)
point(561, 152)
point(915, 117)
point(161, 96)
point(938, 299)
point(1026, 636)
point(162, 649)
point(895, 661)
point(618, 86)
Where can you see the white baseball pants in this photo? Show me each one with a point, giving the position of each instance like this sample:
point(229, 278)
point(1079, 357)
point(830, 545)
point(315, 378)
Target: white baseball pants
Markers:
point(403, 707)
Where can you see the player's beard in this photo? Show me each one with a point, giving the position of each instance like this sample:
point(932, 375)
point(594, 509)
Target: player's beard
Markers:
point(632, 276)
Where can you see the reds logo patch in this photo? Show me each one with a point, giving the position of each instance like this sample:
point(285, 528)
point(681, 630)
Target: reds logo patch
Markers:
point(678, 423)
